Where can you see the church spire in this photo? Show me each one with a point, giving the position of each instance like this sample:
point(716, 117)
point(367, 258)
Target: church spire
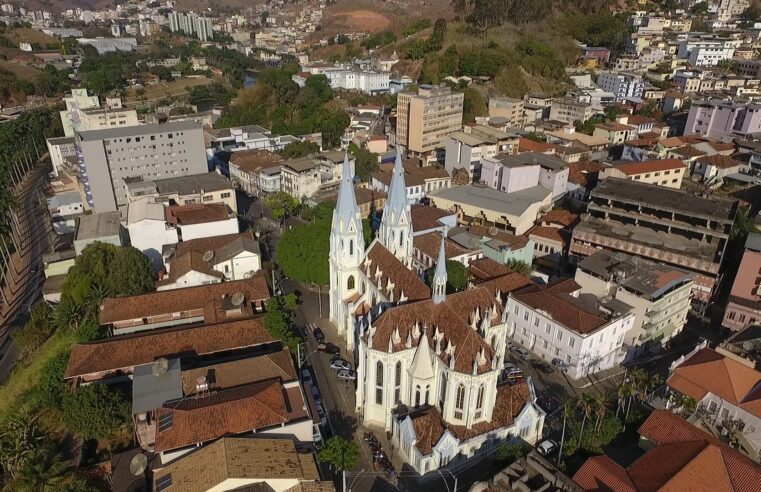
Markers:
point(439, 283)
point(346, 205)
point(397, 191)
point(396, 224)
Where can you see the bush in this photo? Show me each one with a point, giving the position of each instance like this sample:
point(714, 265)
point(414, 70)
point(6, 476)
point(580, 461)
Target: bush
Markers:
point(95, 411)
point(51, 386)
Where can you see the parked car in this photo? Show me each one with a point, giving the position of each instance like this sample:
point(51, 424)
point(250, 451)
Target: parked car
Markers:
point(329, 348)
point(546, 447)
point(340, 364)
point(512, 371)
point(520, 352)
point(306, 376)
point(318, 335)
point(347, 375)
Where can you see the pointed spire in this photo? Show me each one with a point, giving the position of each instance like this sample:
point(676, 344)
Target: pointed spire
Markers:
point(346, 205)
point(422, 363)
point(439, 284)
point(397, 190)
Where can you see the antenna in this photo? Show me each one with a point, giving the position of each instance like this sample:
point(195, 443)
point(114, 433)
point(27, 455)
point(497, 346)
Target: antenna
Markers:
point(238, 298)
point(138, 464)
point(208, 256)
point(160, 367)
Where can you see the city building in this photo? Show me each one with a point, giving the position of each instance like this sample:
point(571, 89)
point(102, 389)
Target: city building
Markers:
point(720, 119)
point(713, 169)
point(663, 172)
point(303, 177)
point(59, 150)
point(202, 189)
point(659, 295)
point(109, 45)
point(625, 86)
point(581, 334)
point(532, 473)
point(661, 224)
point(109, 158)
point(570, 110)
point(744, 303)
point(496, 244)
point(726, 391)
point(702, 52)
point(420, 180)
point(466, 149)
point(350, 79)
point(191, 24)
point(102, 227)
point(426, 118)
point(509, 108)
point(511, 173)
point(614, 132)
point(255, 171)
point(79, 99)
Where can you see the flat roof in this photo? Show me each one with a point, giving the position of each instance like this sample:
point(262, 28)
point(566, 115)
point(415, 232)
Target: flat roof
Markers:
point(515, 203)
point(666, 198)
point(138, 130)
point(195, 183)
point(99, 225)
point(544, 160)
point(151, 390)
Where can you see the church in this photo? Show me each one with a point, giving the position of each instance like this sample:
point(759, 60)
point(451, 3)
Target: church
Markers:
point(428, 362)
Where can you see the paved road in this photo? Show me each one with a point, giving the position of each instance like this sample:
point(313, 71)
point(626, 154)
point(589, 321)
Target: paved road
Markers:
point(24, 285)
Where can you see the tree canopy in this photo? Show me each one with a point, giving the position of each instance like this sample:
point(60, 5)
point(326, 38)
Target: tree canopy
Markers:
point(339, 453)
point(279, 320)
point(458, 276)
point(299, 149)
point(365, 162)
point(95, 411)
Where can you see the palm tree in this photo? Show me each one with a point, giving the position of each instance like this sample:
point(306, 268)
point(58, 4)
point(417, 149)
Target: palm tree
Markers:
point(585, 405)
point(67, 313)
point(624, 393)
point(21, 440)
point(600, 406)
point(41, 473)
point(564, 407)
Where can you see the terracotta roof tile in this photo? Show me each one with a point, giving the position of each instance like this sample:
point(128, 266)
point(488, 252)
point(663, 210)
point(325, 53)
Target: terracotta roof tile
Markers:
point(452, 318)
point(115, 309)
point(392, 270)
point(613, 126)
point(190, 262)
point(601, 473)
point(564, 309)
point(196, 213)
point(363, 196)
point(413, 175)
point(485, 268)
point(637, 119)
point(583, 173)
point(632, 168)
point(566, 218)
point(720, 161)
point(213, 243)
point(512, 241)
point(528, 145)
point(550, 233)
point(429, 245)
point(124, 352)
point(253, 160)
point(233, 411)
point(688, 151)
point(425, 217)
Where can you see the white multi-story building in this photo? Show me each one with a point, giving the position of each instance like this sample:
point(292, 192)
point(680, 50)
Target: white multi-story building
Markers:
point(191, 24)
point(367, 81)
point(428, 363)
point(623, 85)
point(575, 332)
point(702, 52)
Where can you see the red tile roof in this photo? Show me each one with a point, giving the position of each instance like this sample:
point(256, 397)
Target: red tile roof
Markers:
point(395, 279)
point(637, 119)
point(601, 473)
point(425, 217)
point(720, 161)
point(122, 353)
point(196, 213)
point(528, 145)
point(563, 308)
point(566, 218)
point(633, 168)
point(429, 245)
point(583, 173)
point(550, 233)
point(486, 268)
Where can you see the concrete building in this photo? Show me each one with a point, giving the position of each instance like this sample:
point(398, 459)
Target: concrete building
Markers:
point(303, 177)
point(514, 212)
point(569, 109)
point(79, 99)
point(744, 303)
point(626, 86)
point(719, 119)
point(255, 171)
point(426, 118)
point(700, 52)
point(109, 45)
point(419, 180)
point(351, 79)
point(191, 24)
point(659, 295)
point(185, 190)
point(98, 227)
point(511, 173)
point(663, 172)
point(509, 108)
point(466, 150)
point(59, 149)
point(580, 334)
point(616, 133)
point(661, 224)
point(104, 118)
point(107, 158)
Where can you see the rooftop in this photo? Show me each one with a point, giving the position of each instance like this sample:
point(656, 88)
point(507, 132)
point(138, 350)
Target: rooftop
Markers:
point(425, 217)
point(139, 130)
point(253, 160)
point(197, 213)
point(95, 226)
point(414, 175)
point(515, 204)
point(631, 168)
point(429, 245)
point(193, 184)
point(529, 158)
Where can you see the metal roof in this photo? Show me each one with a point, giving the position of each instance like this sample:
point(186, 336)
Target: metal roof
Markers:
point(149, 392)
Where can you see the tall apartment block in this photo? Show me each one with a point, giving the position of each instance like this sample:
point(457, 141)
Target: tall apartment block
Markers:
point(110, 158)
point(190, 23)
point(426, 118)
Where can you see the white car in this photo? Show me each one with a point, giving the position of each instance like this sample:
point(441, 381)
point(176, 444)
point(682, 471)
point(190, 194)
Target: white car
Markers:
point(520, 352)
point(340, 365)
point(546, 447)
point(347, 375)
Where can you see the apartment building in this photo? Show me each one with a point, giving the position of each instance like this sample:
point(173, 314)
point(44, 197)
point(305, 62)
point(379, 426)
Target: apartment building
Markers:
point(663, 172)
point(719, 119)
point(658, 294)
point(426, 118)
point(626, 86)
point(580, 334)
point(569, 109)
point(511, 173)
point(616, 133)
point(255, 171)
point(107, 158)
point(304, 176)
point(509, 108)
point(185, 190)
point(744, 304)
point(466, 150)
point(108, 117)
point(366, 81)
point(79, 99)
point(660, 224)
point(702, 52)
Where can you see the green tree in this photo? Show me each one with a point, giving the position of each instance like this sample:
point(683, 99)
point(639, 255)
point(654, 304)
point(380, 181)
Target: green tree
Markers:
point(365, 162)
point(458, 276)
point(282, 205)
point(95, 411)
point(51, 386)
point(130, 273)
point(299, 149)
point(43, 473)
point(473, 105)
point(279, 320)
point(21, 442)
point(509, 453)
point(36, 331)
point(339, 453)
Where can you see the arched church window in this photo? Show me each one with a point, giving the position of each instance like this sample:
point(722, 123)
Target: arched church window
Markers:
point(443, 391)
point(350, 283)
point(398, 382)
point(459, 401)
point(379, 383)
point(480, 401)
point(417, 396)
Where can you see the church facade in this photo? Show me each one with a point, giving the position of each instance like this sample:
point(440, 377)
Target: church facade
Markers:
point(428, 362)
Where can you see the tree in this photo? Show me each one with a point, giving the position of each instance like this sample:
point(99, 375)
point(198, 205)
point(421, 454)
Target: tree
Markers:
point(458, 276)
point(565, 407)
point(585, 405)
point(509, 453)
point(365, 162)
point(20, 442)
point(339, 453)
point(520, 267)
point(51, 387)
point(744, 224)
point(299, 149)
point(130, 273)
point(279, 320)
point(95, 411)
point(473, 105)
point(44, 472)
point(282, 205)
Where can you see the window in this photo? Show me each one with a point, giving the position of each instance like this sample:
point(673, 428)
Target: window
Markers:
point(560, 335)
point(459, 402)
point(525, 316)
point(548, 328)
point(351, 247)
point(163, 483)
point(536, 321)
point(379, 383)
point(350, 283)
point(398, 382)
point(443, 390)
point(571, 341)
point(516, 309)
point(479, 402)
point(208, 198)
point(225, 195)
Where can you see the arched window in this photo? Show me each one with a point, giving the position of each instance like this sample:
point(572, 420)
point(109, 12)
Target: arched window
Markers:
point(443, 391)
point(417, 396)
point(479, 402)
point(427, 391)
point(351, 247)
point(350, 283)
point(494, 342)
point(398, 383)
point(401, 238)
point(379, 383)
point(459, 401)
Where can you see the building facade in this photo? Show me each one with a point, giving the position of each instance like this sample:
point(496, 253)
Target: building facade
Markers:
point(426, 118)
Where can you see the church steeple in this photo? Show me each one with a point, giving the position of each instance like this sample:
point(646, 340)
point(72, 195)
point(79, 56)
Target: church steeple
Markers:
point(346, 205)
point(396, 224)
point(439, 283)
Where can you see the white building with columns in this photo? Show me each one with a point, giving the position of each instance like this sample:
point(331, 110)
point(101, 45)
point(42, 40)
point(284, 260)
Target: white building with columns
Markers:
point(428, 362)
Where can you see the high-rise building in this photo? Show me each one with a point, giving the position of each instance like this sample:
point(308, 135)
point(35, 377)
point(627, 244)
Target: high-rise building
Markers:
point(190, 24)
point(426, 118)
point(109, 158)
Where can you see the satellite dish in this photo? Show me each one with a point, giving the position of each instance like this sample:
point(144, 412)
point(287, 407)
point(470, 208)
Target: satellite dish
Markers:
point(138, 464)
point(208, 256)
point(160, 367)
point(238, 298)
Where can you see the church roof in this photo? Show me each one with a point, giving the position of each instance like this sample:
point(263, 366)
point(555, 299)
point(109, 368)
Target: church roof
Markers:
point(394, 278)
point(396, 203)
point(422, 363)
point(346, 205)
point(448, 325)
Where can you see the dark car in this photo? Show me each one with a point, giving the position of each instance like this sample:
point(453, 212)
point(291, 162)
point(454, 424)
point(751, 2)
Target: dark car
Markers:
point(319, 335)
point(329, 348)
